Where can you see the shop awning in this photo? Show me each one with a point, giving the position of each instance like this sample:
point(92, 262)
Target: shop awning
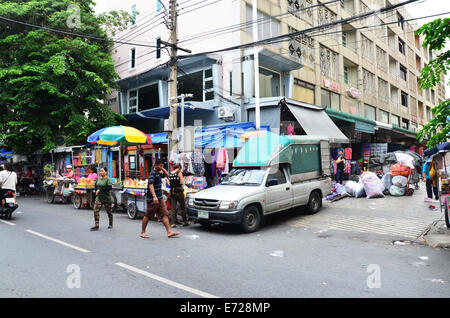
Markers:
point(316, 122)
point(361, 124)
point(215, 136)
point(406, 132)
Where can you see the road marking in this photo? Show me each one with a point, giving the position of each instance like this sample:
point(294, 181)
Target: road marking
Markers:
point(6, 222)
point(58, 241)
point(166, 281)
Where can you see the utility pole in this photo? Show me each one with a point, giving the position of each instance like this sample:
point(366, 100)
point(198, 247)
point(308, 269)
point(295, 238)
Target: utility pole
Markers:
point(173, 79)
point(256, 65)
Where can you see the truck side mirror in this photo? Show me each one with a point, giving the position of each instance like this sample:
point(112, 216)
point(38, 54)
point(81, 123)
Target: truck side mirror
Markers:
point(272, 182)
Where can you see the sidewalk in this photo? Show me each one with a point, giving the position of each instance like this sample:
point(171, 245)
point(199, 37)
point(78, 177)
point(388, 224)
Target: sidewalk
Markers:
point(405, 217)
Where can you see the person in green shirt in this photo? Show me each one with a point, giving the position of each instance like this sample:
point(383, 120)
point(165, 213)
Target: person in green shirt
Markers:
point(103, 188)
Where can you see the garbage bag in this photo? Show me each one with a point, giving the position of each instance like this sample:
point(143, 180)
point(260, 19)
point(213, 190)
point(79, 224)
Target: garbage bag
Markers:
point(405, 160)
point(372, 185)
point(354, 189)
point(387, 180)
point(396, 191)
point(400, 170)
point(399, 181)
point(339, 188)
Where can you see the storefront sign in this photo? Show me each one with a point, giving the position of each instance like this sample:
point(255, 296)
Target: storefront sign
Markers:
point(354, 92)
point(332, 85)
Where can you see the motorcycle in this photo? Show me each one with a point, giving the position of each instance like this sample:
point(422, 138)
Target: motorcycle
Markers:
point(8, 205)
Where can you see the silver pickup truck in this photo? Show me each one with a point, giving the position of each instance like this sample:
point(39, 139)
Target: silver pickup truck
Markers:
point(286, 175)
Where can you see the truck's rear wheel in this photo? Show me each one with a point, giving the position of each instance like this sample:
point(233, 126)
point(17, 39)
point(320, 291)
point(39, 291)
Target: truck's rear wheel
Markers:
point(251, 219)
point(315, 202)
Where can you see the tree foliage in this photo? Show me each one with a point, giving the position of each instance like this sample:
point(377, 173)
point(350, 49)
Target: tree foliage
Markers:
point(436, 34)
point(53, 84)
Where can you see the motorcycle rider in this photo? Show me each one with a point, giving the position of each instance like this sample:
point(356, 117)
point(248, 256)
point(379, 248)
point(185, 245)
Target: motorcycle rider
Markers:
point(8, 181)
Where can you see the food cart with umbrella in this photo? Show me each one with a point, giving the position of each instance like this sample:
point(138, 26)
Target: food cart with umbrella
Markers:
point(131, 195)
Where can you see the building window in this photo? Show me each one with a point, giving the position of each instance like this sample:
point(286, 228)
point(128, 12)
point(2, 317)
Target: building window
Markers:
point(346, 74)
point(405, 123)
point(132, 58)
point(329, 63)
point(269, 83)
point(370, 112)
point(404, 99)
point(133, 15)
point(302, 49)
point(401, 46)
point(199, 83)
point(158, 6)
point(384, 116)
point(383, 90)
point(158, 48)
point(303, 92)
point(344, 39)
point(112, 101)
point(400, 21)
point(231, 83)
point(395, 120)
point(369, 85)
point(403, 72)
point(367, 48)
point(132, 101)
point(267, 28)
point(330, 99)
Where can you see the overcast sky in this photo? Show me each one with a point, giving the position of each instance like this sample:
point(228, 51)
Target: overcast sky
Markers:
point(430, 7)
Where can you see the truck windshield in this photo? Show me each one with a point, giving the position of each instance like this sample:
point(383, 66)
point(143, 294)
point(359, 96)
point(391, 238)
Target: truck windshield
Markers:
point(250, 177)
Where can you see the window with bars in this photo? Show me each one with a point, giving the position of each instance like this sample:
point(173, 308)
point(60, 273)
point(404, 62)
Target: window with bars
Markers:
point(381, 59)
point(401, 46)
point(267, 26)
point(367, 48)
point(329, 65)
point(301, 9)
point(403, 72)
point(404, 99)
point(383, 90)
point(384, 116)
point(369, 83)
point(303, 48)
point(326, 16)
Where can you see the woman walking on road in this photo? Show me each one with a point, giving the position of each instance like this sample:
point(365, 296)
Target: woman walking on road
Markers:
point(103, 187)
point(177, 195)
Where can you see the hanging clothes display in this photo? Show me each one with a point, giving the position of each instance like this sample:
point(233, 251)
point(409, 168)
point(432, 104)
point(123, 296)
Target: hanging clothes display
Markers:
point(197, 162)
point(348, 153)
point(83, 158)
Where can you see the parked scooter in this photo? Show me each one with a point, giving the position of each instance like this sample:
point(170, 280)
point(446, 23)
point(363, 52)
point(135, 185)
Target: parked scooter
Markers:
point(8, 205)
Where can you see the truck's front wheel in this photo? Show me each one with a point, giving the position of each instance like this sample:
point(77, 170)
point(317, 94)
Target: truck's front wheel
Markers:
point(251, 219)
point(315, 202)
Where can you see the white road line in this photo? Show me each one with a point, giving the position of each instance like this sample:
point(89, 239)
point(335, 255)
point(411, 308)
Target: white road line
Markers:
point(6, 222)
point(58, 241)
point(166, 281)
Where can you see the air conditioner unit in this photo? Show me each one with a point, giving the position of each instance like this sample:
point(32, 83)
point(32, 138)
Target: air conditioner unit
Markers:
point(226, 113)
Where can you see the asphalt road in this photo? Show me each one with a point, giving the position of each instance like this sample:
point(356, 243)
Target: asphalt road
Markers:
point(43, 241)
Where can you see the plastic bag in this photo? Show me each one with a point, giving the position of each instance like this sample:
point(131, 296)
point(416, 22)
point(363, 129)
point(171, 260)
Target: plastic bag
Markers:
point(354, 189)
point(404, 159)
point(396, 191)
point(387, 180)
point(339, 188)
point(400, 170)
point(372, 185)
point(399, 181)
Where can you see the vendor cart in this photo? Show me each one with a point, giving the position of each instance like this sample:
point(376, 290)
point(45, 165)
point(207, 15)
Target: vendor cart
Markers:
point(84, 196)
point(136, 201)
point(61, 188)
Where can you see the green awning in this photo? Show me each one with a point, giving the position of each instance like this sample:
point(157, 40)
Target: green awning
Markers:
point(403, 130)
point(361, 124)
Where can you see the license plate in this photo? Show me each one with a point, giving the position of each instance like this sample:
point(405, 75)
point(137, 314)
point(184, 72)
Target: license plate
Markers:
point(32, 186)
point(9, 200)
point(203, 214)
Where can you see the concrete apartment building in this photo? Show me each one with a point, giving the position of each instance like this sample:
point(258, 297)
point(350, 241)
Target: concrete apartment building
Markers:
point(367, 78)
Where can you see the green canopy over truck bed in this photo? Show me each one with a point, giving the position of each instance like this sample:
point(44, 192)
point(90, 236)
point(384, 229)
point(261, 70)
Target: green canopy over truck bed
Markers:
point(307, 156)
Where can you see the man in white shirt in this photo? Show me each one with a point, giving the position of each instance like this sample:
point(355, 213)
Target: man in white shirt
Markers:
point(8, 181)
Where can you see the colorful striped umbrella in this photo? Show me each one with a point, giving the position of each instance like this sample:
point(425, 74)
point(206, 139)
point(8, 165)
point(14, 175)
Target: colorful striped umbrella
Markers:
point(115, 135)
point(252, 134)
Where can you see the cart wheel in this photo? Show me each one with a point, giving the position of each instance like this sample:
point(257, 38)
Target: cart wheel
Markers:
point(410, 191)
point(77, 201)
point(50, 196)
point(132, 211)
point(447, 221)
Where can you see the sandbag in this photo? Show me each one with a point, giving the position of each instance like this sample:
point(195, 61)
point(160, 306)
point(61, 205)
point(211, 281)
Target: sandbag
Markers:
point(396, 191)
point(399, 181)
point(404, 159)
point(373, 187)
point(400, 170)
point(354, 189)
point(387, 180)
